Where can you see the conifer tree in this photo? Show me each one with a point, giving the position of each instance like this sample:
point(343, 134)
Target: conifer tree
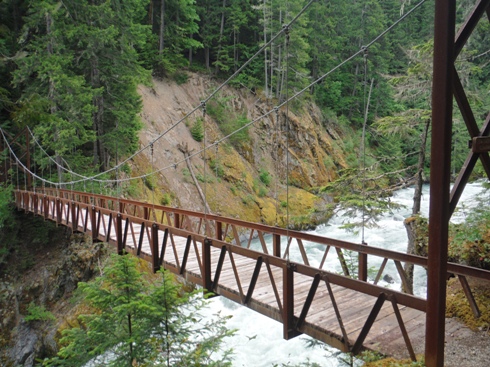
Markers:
point(139, 321)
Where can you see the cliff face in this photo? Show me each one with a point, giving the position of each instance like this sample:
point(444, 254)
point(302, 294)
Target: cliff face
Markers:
point(40, 273)
point(256, 175)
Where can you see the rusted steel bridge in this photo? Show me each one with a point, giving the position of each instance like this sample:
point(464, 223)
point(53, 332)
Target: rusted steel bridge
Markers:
point(343, 310)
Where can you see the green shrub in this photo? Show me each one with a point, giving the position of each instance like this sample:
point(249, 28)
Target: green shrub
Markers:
point(38, 313)
point(166, 199)
point(229, 121)
point(262, 192)
point(217, 167)
point(197, 130)
point(151, 182)
point(265, 177)
point(181, 77)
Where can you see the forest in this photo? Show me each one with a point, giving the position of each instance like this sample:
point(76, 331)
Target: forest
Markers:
point(69, 69)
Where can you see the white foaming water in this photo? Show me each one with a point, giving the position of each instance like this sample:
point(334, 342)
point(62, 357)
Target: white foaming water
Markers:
point(259, 343)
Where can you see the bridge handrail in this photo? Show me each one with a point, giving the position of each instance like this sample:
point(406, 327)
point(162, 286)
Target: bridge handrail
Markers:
point(453, 268)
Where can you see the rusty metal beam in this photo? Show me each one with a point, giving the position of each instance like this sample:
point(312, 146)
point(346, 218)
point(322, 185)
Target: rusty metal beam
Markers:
point(403, 329)
point(253, 281)
point(186, 254)
point(480, 144)
point(444, 32)
point(309, 300)
point(206, 265)
point(469, 25)
point(467, 169)
point(289, 328)
point(154, 248)
point(469, 296)
point(164, 246)
point(119, 234)
point(356, 349)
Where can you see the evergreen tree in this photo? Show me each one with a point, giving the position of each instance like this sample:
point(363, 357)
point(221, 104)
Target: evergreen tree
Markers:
point(175, 22)
point(79, 76)
point(55, 101)
point(139, 321)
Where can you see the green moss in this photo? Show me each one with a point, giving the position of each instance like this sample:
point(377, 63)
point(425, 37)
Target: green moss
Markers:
point(391, 362)
point(458, 306)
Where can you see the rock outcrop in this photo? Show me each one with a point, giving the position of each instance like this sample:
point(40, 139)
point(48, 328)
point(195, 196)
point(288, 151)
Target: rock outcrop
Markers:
point(38, 279)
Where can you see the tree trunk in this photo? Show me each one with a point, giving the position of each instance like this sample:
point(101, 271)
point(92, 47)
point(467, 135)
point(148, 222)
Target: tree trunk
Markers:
point(221, 31)
point(98, 101)
point(411, 223)
point(206, 58)
point(51, 93)
point(162, 27)
point(417, 196)
point(151, 14)
point(266, 70)
point(410, 226)
point(190, 52)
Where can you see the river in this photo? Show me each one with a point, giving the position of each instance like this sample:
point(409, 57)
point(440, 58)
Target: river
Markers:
point(258, 341)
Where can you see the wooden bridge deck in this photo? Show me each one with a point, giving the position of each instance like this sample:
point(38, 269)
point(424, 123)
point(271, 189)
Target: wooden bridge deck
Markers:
point(349, 314)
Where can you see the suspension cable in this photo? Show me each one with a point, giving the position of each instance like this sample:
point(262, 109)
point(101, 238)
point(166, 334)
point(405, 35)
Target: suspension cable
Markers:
point(203, 106)
point(211, 95)
point(216, 169)
point(288, 128)
point(376, 39)
point(266, 114)
point(277, 143)
point(363, 143)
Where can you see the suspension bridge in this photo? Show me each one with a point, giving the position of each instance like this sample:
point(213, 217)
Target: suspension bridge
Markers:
point(343, 310)
point(307, 296)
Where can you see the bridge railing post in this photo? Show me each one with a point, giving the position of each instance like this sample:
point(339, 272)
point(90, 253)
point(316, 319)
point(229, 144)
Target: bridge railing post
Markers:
point(36, 203)
point(74, 224)
point(363, 266)
point(276, 245)
point(93, 223)
point(119, 238)
point(58, 210)
point(26, 201)
point(176, 220)
point(155, 259)
point(206, 264)
point(46, 207)
point(289, 328)
point(219, 231)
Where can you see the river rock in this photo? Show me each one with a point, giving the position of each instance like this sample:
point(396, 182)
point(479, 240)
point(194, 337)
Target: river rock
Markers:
point(388, 279)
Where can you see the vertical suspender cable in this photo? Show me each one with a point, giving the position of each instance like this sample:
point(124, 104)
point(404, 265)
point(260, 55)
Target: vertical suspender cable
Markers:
point(33, 166)
point(277, 144)
point(363, 142)
point(287, 129)
point(17, 175)
point(216, 169)
point(25, 175)
point(154, 185)
point(117, 171)
point(203, 105)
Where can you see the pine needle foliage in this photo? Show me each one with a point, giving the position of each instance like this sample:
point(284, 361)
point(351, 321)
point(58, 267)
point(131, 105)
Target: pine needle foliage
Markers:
point(140, 321)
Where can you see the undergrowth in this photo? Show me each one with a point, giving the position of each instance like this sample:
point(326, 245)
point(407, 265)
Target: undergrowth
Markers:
point(458, 306)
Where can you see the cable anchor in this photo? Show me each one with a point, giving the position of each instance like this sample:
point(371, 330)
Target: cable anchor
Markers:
point(276, 110)
point(286, 28)
point(203, 106)
point(365, 49)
